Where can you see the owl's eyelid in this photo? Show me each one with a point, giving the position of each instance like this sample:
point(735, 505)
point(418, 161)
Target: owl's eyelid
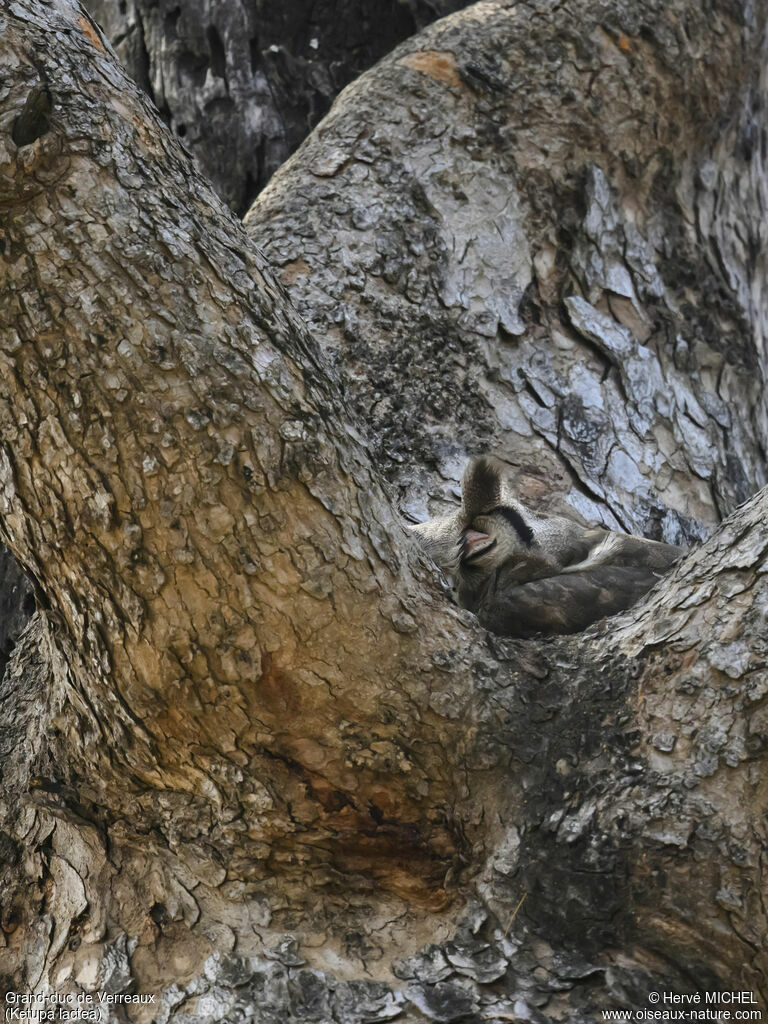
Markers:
point(473, 555)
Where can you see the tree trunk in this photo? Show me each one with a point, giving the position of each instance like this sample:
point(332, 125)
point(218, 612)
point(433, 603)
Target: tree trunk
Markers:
point(242, 85)
point(253, 760)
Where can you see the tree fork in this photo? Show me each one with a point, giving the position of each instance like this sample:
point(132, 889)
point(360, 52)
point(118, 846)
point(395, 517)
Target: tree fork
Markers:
point(252, 687)
point(180, 477)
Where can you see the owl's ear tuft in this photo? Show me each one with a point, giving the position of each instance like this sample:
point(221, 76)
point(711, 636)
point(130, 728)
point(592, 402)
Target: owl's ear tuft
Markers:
point(481, 486)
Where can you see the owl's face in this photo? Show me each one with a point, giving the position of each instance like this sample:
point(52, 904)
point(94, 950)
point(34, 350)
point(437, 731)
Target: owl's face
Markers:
point(495, 537)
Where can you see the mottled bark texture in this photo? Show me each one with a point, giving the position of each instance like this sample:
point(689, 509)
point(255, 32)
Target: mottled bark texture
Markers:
point(17, 603)
point(242, 84)
point(178, 472)
point(539, 228)
point(244, 81)
point(252, 761)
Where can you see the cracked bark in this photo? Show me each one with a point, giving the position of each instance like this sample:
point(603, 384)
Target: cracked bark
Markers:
point(242, 84)
point(243, 81)
point(536, 229)
point(247, 710)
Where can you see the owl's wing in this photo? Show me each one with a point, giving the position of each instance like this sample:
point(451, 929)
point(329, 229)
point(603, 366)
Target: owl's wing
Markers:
point(621, 549)
point(566, 603)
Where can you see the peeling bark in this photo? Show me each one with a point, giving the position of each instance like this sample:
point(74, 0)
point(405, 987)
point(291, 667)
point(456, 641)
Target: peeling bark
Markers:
point(252, 759)
point(242, 84)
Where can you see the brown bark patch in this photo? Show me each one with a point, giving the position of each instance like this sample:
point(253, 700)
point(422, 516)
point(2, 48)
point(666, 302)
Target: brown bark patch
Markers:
point(278, 693)
point(400, 860)
point(89, 32)
point(289, 273)
point(10, 919)
point(366, 825)
point(438, 64)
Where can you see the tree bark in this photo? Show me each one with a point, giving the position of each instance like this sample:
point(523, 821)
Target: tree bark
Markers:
point(537, 229)
point(242, 84)
point(17, 604)
point(248, 711)
point(208, 532)
point(244, 81)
